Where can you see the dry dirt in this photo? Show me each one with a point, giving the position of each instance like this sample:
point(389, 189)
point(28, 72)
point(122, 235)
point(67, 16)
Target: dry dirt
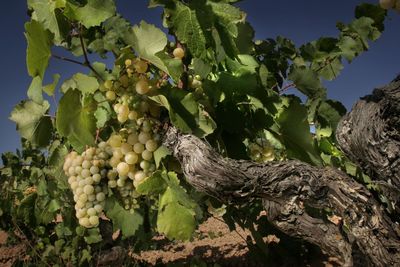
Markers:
point(214, 243)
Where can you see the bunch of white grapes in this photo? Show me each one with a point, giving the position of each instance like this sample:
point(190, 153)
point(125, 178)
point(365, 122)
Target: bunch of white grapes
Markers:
point(85, 173)
point(390, 4)
point(261, 150)
point(132, 159)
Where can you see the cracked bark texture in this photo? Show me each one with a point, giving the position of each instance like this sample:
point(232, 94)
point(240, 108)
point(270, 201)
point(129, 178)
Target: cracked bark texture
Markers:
point(292, 191)
point(370, 136)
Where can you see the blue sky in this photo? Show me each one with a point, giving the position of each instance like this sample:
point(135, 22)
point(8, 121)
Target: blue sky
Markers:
point(301, 21)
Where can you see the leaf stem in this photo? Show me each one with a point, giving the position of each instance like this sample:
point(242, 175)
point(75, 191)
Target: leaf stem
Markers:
point(68, 59)
point(85, 55)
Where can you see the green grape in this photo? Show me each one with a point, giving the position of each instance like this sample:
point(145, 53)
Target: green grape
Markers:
point(108, 84)
point(94, 220)
point(123, 168)
point(142, 87)
point(138, 148)
point(140, 66)
point(110, 95)
point(88, 189)
point(132, 139)
point(151, 145)
point(178, 53)
point(147, 155)
point(126, 148)
point(131, 157)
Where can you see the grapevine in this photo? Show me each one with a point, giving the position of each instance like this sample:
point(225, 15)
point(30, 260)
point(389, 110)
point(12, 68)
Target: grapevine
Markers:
point(99, 172)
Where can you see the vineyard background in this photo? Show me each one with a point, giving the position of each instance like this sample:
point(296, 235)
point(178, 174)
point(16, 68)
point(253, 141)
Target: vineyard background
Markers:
point(145, 137)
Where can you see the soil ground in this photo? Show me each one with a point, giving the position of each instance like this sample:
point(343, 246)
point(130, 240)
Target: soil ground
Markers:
point(214, 243)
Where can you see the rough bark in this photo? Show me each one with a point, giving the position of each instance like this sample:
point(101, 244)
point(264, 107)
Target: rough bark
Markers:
point(323, 206)
point(370, 136)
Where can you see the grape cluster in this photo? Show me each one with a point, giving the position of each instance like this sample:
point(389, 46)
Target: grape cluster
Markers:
point(85, 173)
point(261, 150)
point(126, 158)
point(133, 155)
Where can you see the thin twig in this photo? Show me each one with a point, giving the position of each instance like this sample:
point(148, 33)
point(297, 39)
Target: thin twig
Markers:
point(69, 60)
point(286, 87)
point(85, 55)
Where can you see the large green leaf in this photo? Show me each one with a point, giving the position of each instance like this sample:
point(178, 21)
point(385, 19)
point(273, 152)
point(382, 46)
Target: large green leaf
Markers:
point(185, 23)
point(82, 82)
point(57, 153)
point(185, 112)
point(307, 81)
point(50, 15)
point(295, 132)
point(153, 185)
point(92, 14)
point(75, 120)
point(35, 90)
point(122, 219)
point(38, 52)
point(149, 42)
point(32, 122)
point(177, 212)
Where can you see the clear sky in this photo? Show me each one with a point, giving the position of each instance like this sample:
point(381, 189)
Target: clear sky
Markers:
point(301, 21)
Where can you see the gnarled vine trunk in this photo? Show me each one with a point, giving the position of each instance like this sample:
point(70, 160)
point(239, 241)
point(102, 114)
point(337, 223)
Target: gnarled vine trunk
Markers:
point(349, 220)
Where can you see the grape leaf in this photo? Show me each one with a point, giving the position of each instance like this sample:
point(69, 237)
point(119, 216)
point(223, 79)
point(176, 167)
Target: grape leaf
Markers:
point(111, 36)
point(38, 52)
point(149, 42)
point(92, 14)
point(295, 132)
point(201, 67)
point(154, 184)
point(32, 122)
point(350, 47)
point(93, 236)
point(175, 218)
point(185, 113)
point(185, 23)
point(35, 90)
point(159, 154)
point(306, 81)
point(57, 153)
point(50, 88)
point(50, 15)
point(75, 120)
point(82, 82)
point(122, 219)
point(374, 12)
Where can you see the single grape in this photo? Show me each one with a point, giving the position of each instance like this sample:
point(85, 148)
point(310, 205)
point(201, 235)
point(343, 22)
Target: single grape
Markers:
point(123, 168)
point(147, 155)
point(115, 141)
point(110, 95)
point(94, 220)
point(142, 87)
point(84, 222)
point(100, 196)
point(144, 137)
point(88, 189)
point(138, 148)
point(132, 139)
point(131, 157)
point(151, 145)
point(178, 53)
point(140, 66)
point(128, 62)
point(125, 148)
